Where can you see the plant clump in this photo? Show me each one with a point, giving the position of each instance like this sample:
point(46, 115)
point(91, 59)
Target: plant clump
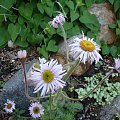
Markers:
point(104, 94)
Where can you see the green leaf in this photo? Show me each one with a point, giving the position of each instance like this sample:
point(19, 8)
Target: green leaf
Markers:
point(40, 7)
point(21, 42)
point(50, 3)
point(70, 4)
point(35, 39)
point(49, 11)
point(112, 25)
point(116, 5)
point(78, 105)
point(90, 21)
point(43, 51)
point(37, 19)
point(14, 30)
point(67, 26)
point(26, 10)
point(117, 31)
point(51, 46)
point(113, 51)
point(4, 36)
point(111, 1)
point(20, 20)
point(73, 16)
point(88, 18)
point(105, 49)
point(4, 7)
point(118, 22)
point(74, 31)
point(89, 3)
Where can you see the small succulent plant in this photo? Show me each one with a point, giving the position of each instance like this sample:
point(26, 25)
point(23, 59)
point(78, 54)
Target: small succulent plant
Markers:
point(103, 94)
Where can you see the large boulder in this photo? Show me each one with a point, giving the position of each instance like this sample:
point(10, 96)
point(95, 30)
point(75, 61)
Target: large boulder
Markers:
point(105, 16)
point(14, 89)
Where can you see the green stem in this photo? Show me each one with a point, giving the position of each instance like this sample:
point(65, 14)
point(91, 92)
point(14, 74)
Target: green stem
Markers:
point(90, 92)
point(69, 73)
point(5, 8)
point(26, 85)
point(62, 9)
point(25, 78)
point(65, 42)
point(38, 96)
point(50, 103)
point(76, 7)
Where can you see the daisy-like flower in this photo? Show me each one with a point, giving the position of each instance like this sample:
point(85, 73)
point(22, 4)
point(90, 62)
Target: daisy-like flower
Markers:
point(85, 49)
point(59, 19)
point(9, 106)
point(117, 65)
point(22, 54)
point(36, 110)
point(49, 77)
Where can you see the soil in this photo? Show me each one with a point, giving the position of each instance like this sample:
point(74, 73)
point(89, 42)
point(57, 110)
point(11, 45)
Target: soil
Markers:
point(9, 64)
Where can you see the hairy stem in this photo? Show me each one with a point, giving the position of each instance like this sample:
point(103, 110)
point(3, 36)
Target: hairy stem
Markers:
point(90, 92)
point(65, 42)
point(71, 70)
point(50, 104)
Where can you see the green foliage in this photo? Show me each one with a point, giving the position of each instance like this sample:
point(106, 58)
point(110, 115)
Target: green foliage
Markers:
point(104, 94)
point(26, 23)
point(114, 50)
point(65, 110)
point(90, 21)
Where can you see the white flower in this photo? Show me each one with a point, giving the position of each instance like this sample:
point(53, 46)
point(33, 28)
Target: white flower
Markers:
point(85, 49)
point(36, 110)
point(9, 106)
point(42, 60)
point(59, 19)
point(49, 77)
point(117, 65)
point(22, 54)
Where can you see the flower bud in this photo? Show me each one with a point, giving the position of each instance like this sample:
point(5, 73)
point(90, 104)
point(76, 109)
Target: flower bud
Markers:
point(22, 54)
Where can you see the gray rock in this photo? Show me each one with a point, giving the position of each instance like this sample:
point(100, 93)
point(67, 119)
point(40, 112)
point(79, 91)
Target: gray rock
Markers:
point(109, 111)
point(102, 11)
point(14, 90)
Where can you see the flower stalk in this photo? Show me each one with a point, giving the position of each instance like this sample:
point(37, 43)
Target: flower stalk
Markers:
point(65, 42)
point(71, 70)
point(90, 92)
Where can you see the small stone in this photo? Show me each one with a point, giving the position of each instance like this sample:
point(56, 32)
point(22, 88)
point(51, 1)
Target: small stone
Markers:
point(61, 57)
point(102, 11)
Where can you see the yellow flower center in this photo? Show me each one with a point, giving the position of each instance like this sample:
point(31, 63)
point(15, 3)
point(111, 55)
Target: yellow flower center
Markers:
point(36, 110)
point(8, 106)
point(47, 76)
point(87, 45)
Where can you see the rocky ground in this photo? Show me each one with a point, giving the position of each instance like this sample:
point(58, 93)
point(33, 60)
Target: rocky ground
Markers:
point(9, 65)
